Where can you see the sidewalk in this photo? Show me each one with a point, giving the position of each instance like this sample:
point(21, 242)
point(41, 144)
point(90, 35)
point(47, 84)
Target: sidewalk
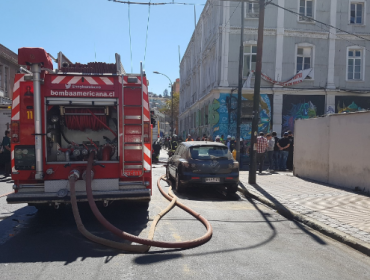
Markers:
point(340, 213)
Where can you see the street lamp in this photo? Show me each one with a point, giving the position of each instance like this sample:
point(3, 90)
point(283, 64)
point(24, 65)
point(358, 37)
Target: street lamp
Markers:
point(156, 72)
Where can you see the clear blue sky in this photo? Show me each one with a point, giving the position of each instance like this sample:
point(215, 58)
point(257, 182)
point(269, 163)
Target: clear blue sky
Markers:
point(79, 27)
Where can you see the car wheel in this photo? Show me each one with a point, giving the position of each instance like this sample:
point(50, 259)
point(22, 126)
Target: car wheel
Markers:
point(179, 185)
point(168, 173)
point(232, 189)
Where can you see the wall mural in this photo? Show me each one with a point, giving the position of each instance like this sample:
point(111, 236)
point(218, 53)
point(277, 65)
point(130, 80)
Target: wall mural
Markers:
point(347, 104)
point(301, 107)
point(222, 115)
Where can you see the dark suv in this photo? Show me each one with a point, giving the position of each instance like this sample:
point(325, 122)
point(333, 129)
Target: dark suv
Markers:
point(203, 163)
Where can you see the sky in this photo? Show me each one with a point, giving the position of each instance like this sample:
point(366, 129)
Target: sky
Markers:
point(81, 28)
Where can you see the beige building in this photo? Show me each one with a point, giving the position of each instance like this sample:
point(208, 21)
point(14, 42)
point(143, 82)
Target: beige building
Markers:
point(8, 68)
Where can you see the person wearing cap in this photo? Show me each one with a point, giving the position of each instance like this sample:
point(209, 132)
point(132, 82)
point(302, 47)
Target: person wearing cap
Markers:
point(284, 144)
point(261, 150)
point(218, 139)
point(189, 138)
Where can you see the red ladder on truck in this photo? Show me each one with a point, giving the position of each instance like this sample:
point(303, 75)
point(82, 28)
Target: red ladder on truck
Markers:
point(135, 136)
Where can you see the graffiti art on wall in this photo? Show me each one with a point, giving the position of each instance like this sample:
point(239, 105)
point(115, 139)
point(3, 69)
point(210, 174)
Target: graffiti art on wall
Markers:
point(222, 115)
point(301, 107)
point(347, 104)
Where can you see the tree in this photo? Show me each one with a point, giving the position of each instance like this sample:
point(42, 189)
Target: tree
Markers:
point(160, 95)
point(165, 93)
point(167, 109)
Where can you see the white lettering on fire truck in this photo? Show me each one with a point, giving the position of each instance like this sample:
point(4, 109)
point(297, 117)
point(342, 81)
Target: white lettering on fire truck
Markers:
point(81, 93)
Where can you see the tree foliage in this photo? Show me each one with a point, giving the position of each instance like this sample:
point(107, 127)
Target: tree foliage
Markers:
point(165, 93)
point(167, 109)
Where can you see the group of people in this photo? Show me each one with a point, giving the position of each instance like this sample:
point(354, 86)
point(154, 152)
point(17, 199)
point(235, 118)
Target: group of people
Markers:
point(279, 151)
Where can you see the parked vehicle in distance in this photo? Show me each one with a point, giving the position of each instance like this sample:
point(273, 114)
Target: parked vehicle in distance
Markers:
point(204, 164)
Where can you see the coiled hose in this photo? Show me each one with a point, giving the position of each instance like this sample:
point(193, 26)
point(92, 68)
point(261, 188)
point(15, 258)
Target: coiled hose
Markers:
point(145, 243)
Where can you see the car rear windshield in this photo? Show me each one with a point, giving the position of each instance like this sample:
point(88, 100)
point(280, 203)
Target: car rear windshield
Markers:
point(209, 152)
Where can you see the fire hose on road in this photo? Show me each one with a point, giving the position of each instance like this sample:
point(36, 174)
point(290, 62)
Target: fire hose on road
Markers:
point(145, 243)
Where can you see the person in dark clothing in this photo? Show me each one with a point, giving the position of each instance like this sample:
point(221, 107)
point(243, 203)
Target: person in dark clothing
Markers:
point(157, 150)
point(6, 153)
point(284, 144)
point(276, 151)
point(289, 162)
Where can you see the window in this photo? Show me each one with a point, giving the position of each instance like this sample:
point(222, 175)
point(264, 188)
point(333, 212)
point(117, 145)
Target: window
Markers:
point(250, 58)
point(354, 67)
point(306, 10)
point(252, 10)
point(1, 76)
point(357, 13)
point(304, 57)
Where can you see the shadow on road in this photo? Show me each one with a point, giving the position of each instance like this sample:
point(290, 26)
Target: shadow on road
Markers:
point(53, 236)
point(282, 209)
point(158, 256)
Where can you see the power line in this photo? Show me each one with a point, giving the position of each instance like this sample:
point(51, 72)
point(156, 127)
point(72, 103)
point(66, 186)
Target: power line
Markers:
point(323, 23)
point(146, 40)
point(129, 32)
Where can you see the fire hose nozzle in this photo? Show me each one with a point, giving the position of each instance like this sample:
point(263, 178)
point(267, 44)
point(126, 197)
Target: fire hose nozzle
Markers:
point(74, 174)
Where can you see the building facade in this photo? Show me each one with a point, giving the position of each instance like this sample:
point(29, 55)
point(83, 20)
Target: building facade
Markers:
point(8, 68)
point(309, 68)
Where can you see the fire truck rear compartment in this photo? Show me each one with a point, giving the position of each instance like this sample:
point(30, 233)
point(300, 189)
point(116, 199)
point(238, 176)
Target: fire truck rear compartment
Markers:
point(74, 129)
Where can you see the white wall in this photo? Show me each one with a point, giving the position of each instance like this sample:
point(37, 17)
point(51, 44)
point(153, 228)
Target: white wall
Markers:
point(334, 149)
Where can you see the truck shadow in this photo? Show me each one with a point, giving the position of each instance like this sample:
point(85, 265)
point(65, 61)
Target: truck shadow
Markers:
point(53, 236)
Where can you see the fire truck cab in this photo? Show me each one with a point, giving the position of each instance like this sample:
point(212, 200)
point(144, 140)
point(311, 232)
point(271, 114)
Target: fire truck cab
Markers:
point(60, 116)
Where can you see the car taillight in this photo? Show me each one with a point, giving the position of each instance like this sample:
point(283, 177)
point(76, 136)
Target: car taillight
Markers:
point(235, 164)
point(195, 178)
point(15, 131)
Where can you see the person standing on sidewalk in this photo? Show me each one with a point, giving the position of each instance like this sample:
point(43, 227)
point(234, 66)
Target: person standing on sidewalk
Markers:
point(189, 138)
point(284, 144)
point(270, 151)
point(289, 162)
point(261, 150)
point(228, 142)
point(276, 151)
point(6, 153)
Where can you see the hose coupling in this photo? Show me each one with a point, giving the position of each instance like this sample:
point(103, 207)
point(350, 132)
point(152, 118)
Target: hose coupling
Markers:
point(84, 175)
point(74, 174)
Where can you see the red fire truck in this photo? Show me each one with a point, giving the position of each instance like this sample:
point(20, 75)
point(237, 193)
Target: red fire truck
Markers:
point(61, 115)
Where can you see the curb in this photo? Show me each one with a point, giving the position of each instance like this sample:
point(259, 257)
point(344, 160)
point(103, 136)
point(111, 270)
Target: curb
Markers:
point(333, 233)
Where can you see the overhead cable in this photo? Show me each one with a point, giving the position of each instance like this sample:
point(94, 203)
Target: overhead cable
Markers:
point(129, 33)
point(146, 39)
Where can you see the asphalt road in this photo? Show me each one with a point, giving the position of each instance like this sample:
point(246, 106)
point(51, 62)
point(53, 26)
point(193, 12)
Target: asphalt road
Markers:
point(250, 241)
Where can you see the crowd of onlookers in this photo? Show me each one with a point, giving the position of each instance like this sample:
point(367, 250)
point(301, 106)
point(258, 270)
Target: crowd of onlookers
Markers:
point(278, 151)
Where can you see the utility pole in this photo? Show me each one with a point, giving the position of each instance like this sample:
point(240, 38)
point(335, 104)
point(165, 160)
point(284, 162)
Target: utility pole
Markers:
point(240, 85)
point(256, 96)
